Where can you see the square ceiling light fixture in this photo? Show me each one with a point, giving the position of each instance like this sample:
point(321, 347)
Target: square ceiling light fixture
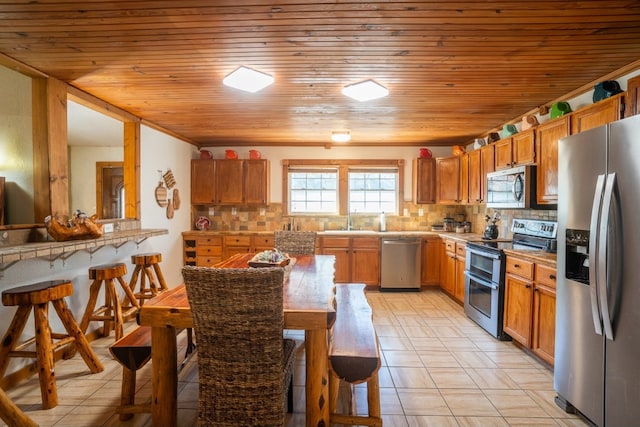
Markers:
point(341, 136)
point(365, 91)
point(248, 79)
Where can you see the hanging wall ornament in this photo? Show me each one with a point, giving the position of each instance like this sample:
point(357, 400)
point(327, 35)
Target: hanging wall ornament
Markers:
point(161, 194)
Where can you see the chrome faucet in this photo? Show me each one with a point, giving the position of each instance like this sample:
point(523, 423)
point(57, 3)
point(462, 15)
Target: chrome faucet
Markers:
point(348, 220)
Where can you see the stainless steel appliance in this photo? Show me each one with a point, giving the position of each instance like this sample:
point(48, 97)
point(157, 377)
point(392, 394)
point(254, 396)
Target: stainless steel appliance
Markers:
point(597, 317)
point(484, 271)
point(400, 264)
point(513, 188)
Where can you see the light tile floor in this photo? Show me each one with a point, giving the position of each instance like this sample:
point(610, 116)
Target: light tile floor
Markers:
point(438, 369)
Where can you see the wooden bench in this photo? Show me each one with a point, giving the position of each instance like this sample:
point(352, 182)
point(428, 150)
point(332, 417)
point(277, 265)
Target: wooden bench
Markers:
point(354, 356)
point(133, 351)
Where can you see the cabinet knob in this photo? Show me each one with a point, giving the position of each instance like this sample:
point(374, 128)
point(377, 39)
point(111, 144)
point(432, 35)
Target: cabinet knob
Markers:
point(516, 265)
point(527, 286)
point(552, 277)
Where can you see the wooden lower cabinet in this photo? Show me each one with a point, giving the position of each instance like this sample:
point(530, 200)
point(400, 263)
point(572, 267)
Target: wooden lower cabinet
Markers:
point(452, 280)
point(357, 258)
point(430, 268)
point(530, 306)
point(205, 249)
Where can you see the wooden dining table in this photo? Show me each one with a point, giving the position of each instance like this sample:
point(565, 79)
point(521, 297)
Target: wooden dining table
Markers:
point(309, 292)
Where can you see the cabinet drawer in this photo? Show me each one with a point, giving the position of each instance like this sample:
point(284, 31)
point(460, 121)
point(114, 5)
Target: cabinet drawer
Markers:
point(366, 242)
point(263, 241)
point(546, 275)
point(520, 267)
point(237, 241)
point(461, 250)
point(335, 242)
point(207, 261)
point(209, 240)
point(209, 250)
point(450, 246)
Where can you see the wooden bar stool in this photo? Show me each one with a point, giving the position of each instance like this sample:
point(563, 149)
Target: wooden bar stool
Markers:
point(38, 296)
point(148, 268)
point(114, 310)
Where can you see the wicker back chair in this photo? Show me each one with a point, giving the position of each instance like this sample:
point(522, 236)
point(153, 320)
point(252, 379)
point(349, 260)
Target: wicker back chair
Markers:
point(295, 242)
point(245, 366)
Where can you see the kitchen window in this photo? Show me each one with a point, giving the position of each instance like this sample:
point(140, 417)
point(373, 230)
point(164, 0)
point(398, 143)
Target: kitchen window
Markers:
point(336, 187)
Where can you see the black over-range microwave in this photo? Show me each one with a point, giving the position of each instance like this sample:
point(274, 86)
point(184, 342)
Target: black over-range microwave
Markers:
point(513, 188)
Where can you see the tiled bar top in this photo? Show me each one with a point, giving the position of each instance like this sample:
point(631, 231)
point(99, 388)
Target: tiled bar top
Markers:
point(52, 249)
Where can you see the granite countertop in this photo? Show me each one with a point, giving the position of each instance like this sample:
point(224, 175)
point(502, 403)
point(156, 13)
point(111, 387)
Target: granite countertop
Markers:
point(542, 257)
point(465, 237)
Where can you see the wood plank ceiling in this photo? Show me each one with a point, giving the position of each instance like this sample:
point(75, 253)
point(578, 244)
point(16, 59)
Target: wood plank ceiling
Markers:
point(455, 70)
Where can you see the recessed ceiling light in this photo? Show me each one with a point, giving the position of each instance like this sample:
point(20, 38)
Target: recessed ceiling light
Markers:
point(248, 79)
point(365, 91)
point(341, 136)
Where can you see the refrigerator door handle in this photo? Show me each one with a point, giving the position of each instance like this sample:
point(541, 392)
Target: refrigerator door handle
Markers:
point(593, 255)
point(603, 259)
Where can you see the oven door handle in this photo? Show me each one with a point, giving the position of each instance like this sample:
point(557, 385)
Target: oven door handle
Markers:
point(482, 253)
point(480, 280)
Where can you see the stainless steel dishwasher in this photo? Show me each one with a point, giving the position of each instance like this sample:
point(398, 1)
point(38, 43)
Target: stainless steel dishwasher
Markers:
point(400, 264)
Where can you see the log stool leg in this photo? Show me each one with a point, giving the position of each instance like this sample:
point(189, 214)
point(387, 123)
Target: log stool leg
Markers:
point(114, 311)
point(12, 415)
point(37, 297)
point(151, 278)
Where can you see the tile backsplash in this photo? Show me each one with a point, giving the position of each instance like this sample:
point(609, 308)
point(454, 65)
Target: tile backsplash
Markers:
point(271, 218)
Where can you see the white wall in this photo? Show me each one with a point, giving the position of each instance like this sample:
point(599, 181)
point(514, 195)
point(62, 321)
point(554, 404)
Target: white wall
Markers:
point(162, 152)
point(82, 174)
point(16, 146)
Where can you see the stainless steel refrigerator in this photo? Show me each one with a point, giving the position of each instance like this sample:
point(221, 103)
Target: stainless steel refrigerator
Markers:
point(597, 353)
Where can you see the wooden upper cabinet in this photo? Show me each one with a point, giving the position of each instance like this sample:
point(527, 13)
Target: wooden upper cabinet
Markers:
point(517, 150)
point(632, 98)
point(598, 114)
point(424, 180)
point(504, 156)
point(475, 176)
point(547, 136)
point(464, 179)
point(447, 180)
point(524, 152)
point(256, 182)
point(203, 182)
point(230, 182)
point(487, 164)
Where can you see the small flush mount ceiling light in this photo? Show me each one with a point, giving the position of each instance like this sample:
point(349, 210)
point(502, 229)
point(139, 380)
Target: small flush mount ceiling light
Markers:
point(341, 136)
point(248, 79)
point(365, 91)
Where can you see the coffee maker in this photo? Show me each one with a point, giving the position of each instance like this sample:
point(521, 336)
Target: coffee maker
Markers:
point(490, 232)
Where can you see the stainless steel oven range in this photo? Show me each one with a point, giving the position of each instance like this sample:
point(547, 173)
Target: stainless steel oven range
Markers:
point(484, 271)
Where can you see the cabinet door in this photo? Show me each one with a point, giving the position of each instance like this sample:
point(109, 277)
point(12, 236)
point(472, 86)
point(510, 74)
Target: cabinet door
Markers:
point(504, 156)
point(424, 181)
point(447, 180)
point(598, 114)
point(547, 136)
point(203, 182)
point(523, 148)
point(262, 243)
point(632, 97)
point(475, 177)
point(464, 178)
point(544, 323)
point(256, 182)
point(517, 309)
point(449, 283)
point(458, 291)
point(365, 266)
point(230, 181)
point(488, 164)
point(442, 252)
point(430, 261)
point(342, 266)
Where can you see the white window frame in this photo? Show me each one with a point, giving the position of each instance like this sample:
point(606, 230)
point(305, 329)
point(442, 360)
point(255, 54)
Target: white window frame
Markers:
point(343, 167)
